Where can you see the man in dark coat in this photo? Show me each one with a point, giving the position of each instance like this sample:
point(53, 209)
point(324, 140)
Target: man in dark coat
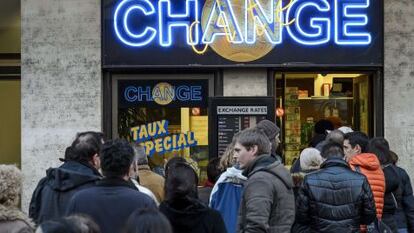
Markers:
point(114, 198)
point(79, 171)
point(335, 198)
point(268, 202)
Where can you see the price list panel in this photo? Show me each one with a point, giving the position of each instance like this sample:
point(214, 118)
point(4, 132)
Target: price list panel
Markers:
point(229, 125)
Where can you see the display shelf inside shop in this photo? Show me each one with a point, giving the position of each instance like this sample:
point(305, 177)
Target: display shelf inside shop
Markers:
point(326, 98)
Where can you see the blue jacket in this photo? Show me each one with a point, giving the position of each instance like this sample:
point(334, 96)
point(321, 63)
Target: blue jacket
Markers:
point(109, 203)
point(52, 194)
point(226, 196)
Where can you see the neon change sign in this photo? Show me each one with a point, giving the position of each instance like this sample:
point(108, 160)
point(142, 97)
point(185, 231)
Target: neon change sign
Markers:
point(141, 23)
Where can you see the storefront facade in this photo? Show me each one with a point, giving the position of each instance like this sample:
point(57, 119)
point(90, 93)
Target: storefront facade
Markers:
point(95, 68)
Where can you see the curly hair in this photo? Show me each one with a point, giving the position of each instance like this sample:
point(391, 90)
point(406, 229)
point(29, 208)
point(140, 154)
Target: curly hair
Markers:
point(227, 159)
point(116, 158)
point(10, 185)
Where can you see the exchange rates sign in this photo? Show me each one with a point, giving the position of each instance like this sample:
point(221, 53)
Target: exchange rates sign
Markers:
point(251, 32)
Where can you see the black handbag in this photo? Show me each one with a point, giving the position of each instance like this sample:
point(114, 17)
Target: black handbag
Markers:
point(378, 226)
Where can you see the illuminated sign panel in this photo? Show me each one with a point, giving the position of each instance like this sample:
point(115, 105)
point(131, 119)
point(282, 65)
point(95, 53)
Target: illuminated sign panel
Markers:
point(168, 93)
point(230, 32)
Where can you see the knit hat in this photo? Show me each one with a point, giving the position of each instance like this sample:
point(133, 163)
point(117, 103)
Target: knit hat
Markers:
point(310, 159)
point(269, 128)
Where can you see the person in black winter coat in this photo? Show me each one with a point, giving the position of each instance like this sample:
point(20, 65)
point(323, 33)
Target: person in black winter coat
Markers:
point(404, 216)
point(380, 147)
point(114, 198)
point(335, 198)
point(181, 206)
point(79, 171)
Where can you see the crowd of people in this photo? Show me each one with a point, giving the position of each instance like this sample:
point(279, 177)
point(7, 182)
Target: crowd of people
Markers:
point(344, 182)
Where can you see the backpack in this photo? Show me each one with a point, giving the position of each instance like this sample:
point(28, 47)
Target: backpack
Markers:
point(227, 200)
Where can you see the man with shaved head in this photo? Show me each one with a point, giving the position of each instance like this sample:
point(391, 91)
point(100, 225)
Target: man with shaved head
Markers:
point(79, 171)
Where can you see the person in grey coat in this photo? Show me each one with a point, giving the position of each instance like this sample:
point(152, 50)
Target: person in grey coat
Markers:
point(12, 219)
point(268, 203)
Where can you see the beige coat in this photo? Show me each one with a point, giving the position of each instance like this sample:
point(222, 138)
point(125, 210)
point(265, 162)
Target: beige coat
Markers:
point(152, 181)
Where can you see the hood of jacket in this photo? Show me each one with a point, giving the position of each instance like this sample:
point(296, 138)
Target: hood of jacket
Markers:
point(71, 175)
point(8, 213)
point(185, 213)
point(269, 164)
point(233, 172)
point(365, 160)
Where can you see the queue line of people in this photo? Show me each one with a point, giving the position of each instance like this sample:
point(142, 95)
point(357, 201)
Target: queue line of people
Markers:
point(345, 183)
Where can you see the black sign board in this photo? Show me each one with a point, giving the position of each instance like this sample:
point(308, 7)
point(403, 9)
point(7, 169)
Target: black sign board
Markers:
point(230, 115)
point(214, 33)
point(164, 93)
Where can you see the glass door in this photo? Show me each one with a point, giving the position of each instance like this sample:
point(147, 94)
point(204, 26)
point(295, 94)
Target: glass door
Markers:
point(332, 99)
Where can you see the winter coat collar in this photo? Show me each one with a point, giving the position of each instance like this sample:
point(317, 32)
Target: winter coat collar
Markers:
point(8, 213)
point(334, 162)
point(115, 182)
point(71, 175)
point(144, 167)
point(259, 163)
point(267, 163)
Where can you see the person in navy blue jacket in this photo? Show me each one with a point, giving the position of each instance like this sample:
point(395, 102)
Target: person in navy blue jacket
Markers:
point(113, 198)
point(79, 171)
point(404, 216)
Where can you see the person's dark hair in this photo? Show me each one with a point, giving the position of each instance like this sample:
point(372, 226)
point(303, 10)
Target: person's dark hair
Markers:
point(148, 221)
point(393, 157)
point(254, 137)
point(358, 138)
point(71, 224)
point(332, 150)
point(171, 162)
point(85, 146)
point(180, 182)
point(116, 158)
point(213, 170)
point(322, 125)
point(380, 147)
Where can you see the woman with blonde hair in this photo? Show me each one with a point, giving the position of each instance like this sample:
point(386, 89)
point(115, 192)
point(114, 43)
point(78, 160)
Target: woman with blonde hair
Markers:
point(226, 194)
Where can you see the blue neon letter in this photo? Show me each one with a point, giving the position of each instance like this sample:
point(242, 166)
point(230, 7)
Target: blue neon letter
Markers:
point(222, 22)
point(121, 23)
point(349, 26)
point(266, 17)
point(128, 96)
point(318, 30)
point(173, 20)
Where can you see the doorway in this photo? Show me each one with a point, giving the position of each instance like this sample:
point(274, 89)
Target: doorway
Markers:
point(306, 98)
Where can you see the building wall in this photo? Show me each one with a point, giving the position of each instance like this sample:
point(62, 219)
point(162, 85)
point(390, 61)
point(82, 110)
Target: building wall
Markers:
point(245, 82)
point(61, 81)
point(399, 80)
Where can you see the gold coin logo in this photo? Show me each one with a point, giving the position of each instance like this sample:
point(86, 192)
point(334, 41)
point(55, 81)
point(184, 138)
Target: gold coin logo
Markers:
point(163, 93)
point(237, 52)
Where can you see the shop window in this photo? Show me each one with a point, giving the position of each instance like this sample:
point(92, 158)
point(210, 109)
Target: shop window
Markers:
point(10, 121)
point(176, 108)
point(303, 99)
